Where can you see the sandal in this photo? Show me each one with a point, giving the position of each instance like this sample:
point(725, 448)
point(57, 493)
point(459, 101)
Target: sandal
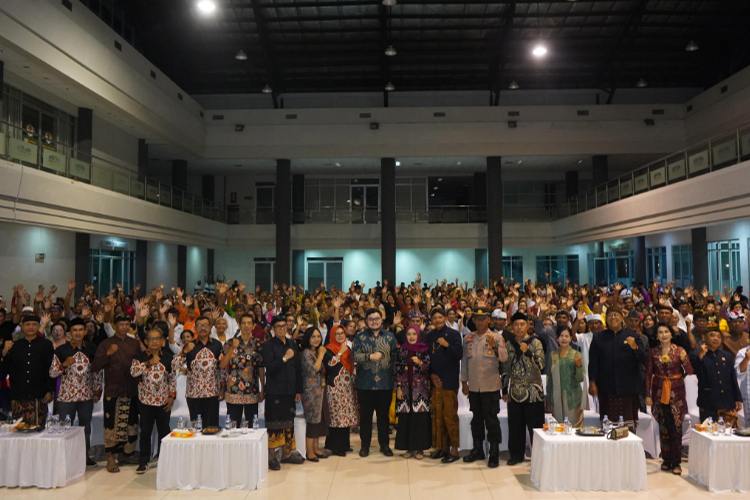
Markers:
point(419, 455)
point(408, 454)
point(666, 466)
point(112, 468)
point(677, 470)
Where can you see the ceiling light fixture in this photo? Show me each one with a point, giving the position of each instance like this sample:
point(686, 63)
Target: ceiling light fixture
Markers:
point(398, 163)
point(390, 51)
point(539, 50)
point(206, 6)
point(440, 179)
point(513, 85)
point(641, 83)
point(458, 163)
point(692, 46)
point(520, 161)
point(267, 89)
point(389, 3)
point(338, 164)
point(241, 56)
point(389, 87)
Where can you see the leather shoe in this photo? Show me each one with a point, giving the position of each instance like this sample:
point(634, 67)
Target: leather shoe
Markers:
point(273, 464)
point(435, 455)
point(316, 459)
point(449, 459)
point(339, 453)
point(513, 462)
point(294, 458)
point(474, 455)
point(364, 452)
point(386, 450)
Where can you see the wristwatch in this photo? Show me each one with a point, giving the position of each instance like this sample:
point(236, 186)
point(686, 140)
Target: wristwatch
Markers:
point(283, 359)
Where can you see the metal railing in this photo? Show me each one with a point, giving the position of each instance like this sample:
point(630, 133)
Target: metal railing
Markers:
point(704, 157)
point(32, 149)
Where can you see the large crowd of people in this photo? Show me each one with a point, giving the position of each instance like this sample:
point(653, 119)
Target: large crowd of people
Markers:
point(400, 353)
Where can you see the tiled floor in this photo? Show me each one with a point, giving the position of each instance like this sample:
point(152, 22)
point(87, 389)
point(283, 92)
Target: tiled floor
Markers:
point(372, 478)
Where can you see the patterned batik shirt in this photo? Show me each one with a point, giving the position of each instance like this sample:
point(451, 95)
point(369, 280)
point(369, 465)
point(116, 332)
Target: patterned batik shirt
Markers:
point(525, 371)
point(77, 381)
point(374, 375)
point(204, 375)
point(157, 382)
point(243, 372)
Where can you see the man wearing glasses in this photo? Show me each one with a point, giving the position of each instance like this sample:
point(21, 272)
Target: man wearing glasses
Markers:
point(373, 351)
point(283, 390)
point(202, 358)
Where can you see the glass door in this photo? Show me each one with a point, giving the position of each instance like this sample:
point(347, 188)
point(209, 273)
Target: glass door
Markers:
point(265, 270)
point(326, 270)
point(723, 264)
point(365, 203)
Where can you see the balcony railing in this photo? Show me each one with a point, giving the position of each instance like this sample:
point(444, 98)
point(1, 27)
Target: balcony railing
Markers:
point(716, 153)
point(31, 149)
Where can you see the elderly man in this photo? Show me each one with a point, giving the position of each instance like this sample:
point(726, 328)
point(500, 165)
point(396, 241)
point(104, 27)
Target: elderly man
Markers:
point(736, 338)
point(615, 360)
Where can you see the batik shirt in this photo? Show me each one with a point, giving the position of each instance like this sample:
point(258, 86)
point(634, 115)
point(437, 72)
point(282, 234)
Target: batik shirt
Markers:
point(157, 382)
point(525, 371)
point(374, 375)
point(204, 375)
point(243, 372)
point(77, 381)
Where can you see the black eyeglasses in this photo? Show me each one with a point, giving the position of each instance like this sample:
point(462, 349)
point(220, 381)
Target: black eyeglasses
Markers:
point(152, 339)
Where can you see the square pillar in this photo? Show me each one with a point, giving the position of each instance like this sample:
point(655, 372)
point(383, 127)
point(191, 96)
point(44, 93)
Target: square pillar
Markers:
point(494, 217)
point(283, 221)
point(700, 258)
point(388, 219)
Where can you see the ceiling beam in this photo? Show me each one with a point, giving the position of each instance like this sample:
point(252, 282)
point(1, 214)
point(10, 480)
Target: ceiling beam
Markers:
point(608, 62)
point(501, 51)
point(272, 70)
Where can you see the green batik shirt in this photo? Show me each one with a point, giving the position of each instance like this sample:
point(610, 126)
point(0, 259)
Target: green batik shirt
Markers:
point(374, 375)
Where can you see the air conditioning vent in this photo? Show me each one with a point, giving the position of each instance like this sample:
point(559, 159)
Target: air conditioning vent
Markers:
point(218, 117)
point(291, 117)
point(514, 113)
point(583, 112)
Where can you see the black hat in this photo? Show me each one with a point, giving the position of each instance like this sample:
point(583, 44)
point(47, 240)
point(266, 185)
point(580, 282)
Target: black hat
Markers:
point(481, 312)
point(30, 318)
point(437, 310)
point(76, 322)
point(518, 316)
point(122, 317)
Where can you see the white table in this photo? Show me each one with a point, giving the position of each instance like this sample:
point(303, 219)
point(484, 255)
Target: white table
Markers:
point(575, 463)
point(720, 463)
point(41, 459)
point(213, 462)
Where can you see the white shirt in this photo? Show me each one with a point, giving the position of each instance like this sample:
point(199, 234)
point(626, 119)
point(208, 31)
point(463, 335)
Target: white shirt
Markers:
point(744, 382)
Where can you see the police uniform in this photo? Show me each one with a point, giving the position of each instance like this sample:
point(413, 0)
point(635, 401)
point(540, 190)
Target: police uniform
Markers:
point(480, 368)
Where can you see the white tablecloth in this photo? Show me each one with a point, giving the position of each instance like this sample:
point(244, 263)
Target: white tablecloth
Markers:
point(41, 459)
point(213, 462)
point(573, 463)
point(720, 462)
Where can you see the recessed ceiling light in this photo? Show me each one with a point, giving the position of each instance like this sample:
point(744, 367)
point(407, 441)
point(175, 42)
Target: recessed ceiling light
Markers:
point(267, 89)
point(206, 6)
point(390, 51)
point(440, 179)
point(338, 164)
point(513, 85)
point(520, 161)
point(435, 188)
point(692, 46)
point(389, 3)
point(241, 56)
point(540, 50)
point(389, 87)
point(432, 195)
point(458, 163)
point(580, 161)
point(641, 83)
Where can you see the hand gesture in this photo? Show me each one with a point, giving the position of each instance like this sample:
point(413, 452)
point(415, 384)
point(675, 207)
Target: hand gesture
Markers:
point(524, 347)
point(154, 360)
point(443, 342)
point(578, 361)
point(39, 294)
point(100, 317)
point(164, 308)
point(415, 360)
point(143, 310)
point(172, 319)
point(180, 292)
point(46, 319)
point(399, 393)
point(321, 351)
point(631, 342)
point(397, 317)
point(189, 347)
point(112, 349)
point(68, 361)
point(71, 285)
point(376, 356)
point(188, 301)
point(8, 344)
point(235, 343)
point(289, 354)
point(491, 341)
point(703, 351)
point(343, 349)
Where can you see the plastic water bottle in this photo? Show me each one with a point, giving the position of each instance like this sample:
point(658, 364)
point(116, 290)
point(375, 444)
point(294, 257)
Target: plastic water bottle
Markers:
point(256, 423)
point(710, 424)
point(720, 428)
point(567, 426)
point(55, 424)
point(181, 422)
point(552, 426)
point(621, 422)
point(228, 425)
point(67, 423)
point(48, 423)
point(199, 424)
point(243, 425)
point(606, 424)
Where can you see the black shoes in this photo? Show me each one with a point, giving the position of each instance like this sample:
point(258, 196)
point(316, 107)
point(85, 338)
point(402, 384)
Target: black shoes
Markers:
point(316, 459)
point(142, 468)
point(449, 459)
point(436, 455)
point(90, 462)
point(514, 461)
point(273, 464)
point(386, 450)
point(339, 453)
point(294, 458)
point(476, 454)
point(494, 460)
point(364, 452)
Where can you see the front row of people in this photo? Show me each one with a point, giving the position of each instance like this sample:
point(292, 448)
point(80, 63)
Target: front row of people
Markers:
point(424, 372)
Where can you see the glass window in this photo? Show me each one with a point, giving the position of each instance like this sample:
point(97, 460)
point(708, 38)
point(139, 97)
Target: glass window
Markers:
point(656, 264)
point(557, 268)
point(326, 270)
point(265, 270)
point(513, 268)
point(723, 264)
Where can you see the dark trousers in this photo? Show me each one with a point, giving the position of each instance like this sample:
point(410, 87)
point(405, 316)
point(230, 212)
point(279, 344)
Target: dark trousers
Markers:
point(235, 412)
point(207, 408)
point(523, 416)
point(84, 411)
point(151, 415)
point(484, 408)
point(374, 401)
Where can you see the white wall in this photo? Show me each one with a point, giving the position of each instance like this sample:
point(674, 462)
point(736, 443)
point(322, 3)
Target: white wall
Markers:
point(162, 265)
point(238, 264)
point(18, 245)
point(114, 145)
point(435, 264)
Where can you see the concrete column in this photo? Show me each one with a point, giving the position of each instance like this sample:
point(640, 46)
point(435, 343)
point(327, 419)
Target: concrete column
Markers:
point(494, 217)
point(639, 259)
point(298, 268)
point(388, 219)
point(142, 158)
point(298, 199)
point(208, 187)
point(571, 184)
point(480, 265)
point(2, 79)
point(599, 249)
point(84, 133)
point(700, 258)
point(141, 264)
point(182, 268)
point(283, 221)
point(601, 174)
point(210, 259)
point(179, 174)
point(82, 263)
